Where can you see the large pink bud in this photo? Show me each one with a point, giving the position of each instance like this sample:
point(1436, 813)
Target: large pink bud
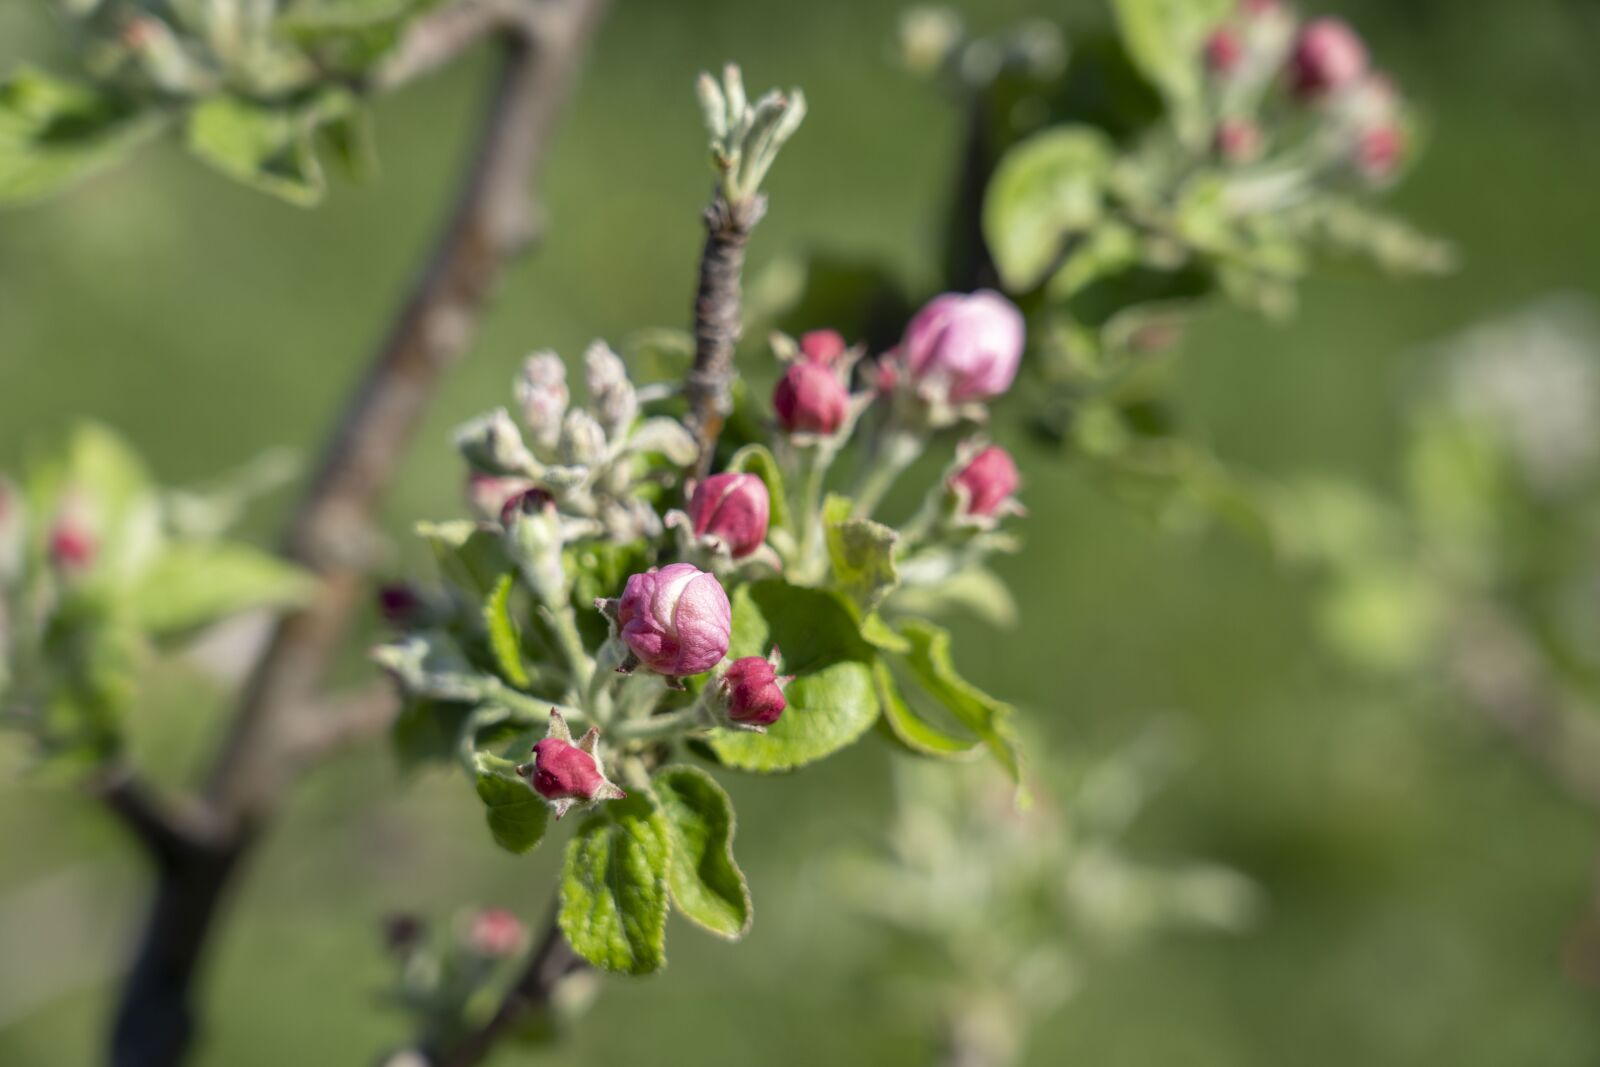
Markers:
point(734, 509)
point(753, 693)
point(968, 346)
point(677, 620)
point(563, 771)
point(1328, 56)
point(826, 347)
point(811, 398)
point(987, 482)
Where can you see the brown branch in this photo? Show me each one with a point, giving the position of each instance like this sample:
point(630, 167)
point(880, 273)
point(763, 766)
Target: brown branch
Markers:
point(166, 831)
point(154, 1022)
point(717, 319)
point(551, 963)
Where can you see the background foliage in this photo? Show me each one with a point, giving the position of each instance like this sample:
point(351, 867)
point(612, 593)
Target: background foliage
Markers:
point(1421, 884)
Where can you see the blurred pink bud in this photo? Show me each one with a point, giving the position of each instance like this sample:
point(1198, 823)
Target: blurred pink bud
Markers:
point(754, 692)
point(969, 346)
point(1379, 151)
point(400, 604)
point(822, 346)
point(677, 620)
point(1257, 8)
point(72, 546)
point(495, 932)
point(1224, 51)
point(1238, 140)
point(1328, 56)
point(810, 398)
point(987, 482)
point(563, 771)
point(488, 494)
point(733, 508)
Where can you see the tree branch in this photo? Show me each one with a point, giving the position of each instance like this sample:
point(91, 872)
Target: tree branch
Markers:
point(718, 322)
point(154, 1023)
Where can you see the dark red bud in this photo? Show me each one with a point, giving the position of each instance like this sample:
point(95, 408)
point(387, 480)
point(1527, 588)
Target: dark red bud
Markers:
point(754, 692)
point(989, 479)
point(810, 398)
point(822, 346)
point(563, 771)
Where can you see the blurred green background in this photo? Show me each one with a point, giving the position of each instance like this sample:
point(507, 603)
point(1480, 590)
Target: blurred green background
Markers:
point(1422, 884)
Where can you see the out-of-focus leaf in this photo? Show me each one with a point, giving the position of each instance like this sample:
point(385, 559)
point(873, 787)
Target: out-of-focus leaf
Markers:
point(985, 716)
point(266, 146)
point(913, 730)
point(614, 887)
point(1047, 191)
point(54, 133)
point(1165, 38)
point(191, 584)
point(831, 700)
point(707, 885)
point(504, 640)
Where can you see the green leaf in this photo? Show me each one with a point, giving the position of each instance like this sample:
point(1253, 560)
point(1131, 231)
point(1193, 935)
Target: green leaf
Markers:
point(862, 553)
point(1165, 39)
point(191, 584)
point(504, 640)
point(911, 729)
point(985, 716)
point(54, 133)
point(707, 885)
point(515, 813)
point(266, 146)
point(468, 555)
point(976, 591)
point(1047, 190)
point(428, 731)
point(831, 700)
point(757, 460)
point(103, 471)
point(614, 887)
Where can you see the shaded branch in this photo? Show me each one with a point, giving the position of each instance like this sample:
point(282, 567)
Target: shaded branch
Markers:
point(167, 832)
point(718, 311)
point(491, 221)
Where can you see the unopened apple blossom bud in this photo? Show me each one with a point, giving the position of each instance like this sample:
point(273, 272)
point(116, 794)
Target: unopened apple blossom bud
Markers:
point(488, 494)
point(72, 545)
point(492, 445)
point(734, 509)
point(1328, 56)
point(1224, 51)
point(986, 483)
point(542, 397)
point(964, 347)
point(826, 347)
point(495, 933)
point(676, 620)
point(400, 604)
point(566, 774)
point(752, 693)
point(1238, 140)
point(811, 398)
point(583, 440)
point(533, 540)
point(611, 394)
point(1379, 151)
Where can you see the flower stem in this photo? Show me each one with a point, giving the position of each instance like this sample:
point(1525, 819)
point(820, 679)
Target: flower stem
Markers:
point(661, 727)
point(893, 453)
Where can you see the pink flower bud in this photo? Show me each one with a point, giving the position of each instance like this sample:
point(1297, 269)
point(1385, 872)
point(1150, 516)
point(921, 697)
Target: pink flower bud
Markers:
point(563, 771)
point(967, 346)
point(488, 494)
point(734, 509)
point(1238, 140)
point(810, 398)
point(1258, 8)
point(754, 692)
point(676, 620)
point(72, 546)
point(1379, 151)
point(400, 604)
point(1327, 56)
point(822, 346)
point(1224, 51)
point(987, 482)
point(495, 932)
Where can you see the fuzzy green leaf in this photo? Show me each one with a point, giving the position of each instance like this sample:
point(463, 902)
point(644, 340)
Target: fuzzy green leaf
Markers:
point(193, 584)
point(913, 730)
point(862, 553)
point(266, 146)
point(831, 700)
point(707, 885)
point(469, 556)
point(985, 716)
point(1047, 190)
point(515, 813)
point(504, 640)
point(1164, 39)
point(54, 133)
point(614, 887)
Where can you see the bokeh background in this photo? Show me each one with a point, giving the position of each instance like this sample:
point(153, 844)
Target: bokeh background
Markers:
point(1422, 884)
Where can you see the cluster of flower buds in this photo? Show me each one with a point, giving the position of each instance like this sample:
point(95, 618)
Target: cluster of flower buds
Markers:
point(1358, 119)
point(577, 459)
point(567, 774)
